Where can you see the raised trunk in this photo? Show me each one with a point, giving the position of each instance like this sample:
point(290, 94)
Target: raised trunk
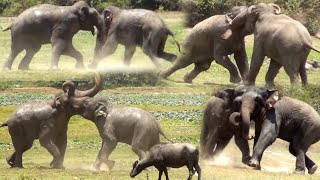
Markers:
point(69, 87)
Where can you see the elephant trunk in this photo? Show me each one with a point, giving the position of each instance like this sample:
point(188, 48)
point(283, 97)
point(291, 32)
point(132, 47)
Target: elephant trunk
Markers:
point(69, 87)
point(234, 118)
point(247, 108)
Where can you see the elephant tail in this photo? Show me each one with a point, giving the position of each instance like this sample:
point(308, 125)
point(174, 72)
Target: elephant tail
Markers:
point(162, 133)
point(171, 34)
point(309, 45)
point(7, 28)
point(4, 124)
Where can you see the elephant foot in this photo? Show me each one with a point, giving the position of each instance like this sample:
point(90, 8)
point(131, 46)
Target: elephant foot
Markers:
point(92, 65)
point(54, 68)
point(6, 68)
point(9, 161)
point(313, 169)
point(80, 66)
point(246, 159)
point(110, 164)
point(162, 74)
point(56, 165)
point(23, 67)
point(255, 164)
point(235, 79)
point(186, 79)
point(298, 171)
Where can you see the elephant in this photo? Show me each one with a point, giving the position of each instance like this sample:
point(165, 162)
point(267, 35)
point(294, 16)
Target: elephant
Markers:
point(135, 27)
point(216, 130)
point(133, 126)
point(46, 121)
point(286, 118)
point(285, 41)
point(45, 23)
point(205, 44)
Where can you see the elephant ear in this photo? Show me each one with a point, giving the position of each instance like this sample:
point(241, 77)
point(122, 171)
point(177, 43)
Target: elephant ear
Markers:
point(83, 13)
point(277, 9)
point(273, 97)
point(108, 17)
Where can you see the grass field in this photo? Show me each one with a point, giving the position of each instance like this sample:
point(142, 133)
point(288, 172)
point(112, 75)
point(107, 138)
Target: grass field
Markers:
point(177, 105)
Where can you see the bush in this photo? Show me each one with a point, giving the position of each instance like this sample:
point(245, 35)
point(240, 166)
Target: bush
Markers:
point(145, 4)
point(170, 5)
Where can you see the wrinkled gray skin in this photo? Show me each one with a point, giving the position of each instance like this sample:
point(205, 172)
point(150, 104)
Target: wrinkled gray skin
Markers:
point(129, 125)
point(132, 28)
point(46, 121)
point(289, 119)
point(216, 130)
point(43, 24)
point(205, 44)
point(174, 155)
point(286, 41)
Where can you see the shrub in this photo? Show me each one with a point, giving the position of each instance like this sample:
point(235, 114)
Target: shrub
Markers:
point(145, 4)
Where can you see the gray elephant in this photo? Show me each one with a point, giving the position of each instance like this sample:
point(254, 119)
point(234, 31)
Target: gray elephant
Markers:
point(43, 24)
point(284, 40)
point(129, 125)
point(46, 121)
point(286, 118)
point(216, 130)
point(205, 44)
point(135, 27)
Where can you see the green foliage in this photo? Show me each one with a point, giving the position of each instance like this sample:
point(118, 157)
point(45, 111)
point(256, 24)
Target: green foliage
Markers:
point(145, 4)
point(171, 5)
point(3, 5)
point(305, 11)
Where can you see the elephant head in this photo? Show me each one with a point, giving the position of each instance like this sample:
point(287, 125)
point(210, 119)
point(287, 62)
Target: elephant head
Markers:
point(231, 96)
point(90, 18)
point(73, 99)
point(248, 18)
point(254, 102)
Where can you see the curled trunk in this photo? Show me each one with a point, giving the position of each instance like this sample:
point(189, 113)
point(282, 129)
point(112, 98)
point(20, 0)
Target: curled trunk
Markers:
point(69, 87)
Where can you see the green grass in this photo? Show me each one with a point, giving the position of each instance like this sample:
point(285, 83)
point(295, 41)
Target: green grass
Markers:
point(177, 105)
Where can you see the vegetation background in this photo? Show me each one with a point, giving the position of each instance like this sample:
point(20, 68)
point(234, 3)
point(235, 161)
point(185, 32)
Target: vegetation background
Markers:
point(177, 105)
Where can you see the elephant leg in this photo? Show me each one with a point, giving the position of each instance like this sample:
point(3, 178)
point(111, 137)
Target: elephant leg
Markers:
point(242, 62)
point(255, 65)
point(13, 54)
point(108, 49)
point(198, 68)
point(72, 52)
point(128, 53)
point(210, 143)
point(10, 159)
point(138, 150)
point(273, 70)
point(62, 145)
point(243, 145)
point(30, 52)
point(106, 149)
point(148, 47)
point(20, 144)
point(293, 74)
point(221, 144)
point(311, 166)
point(182, 62)
point(164, 55)
point(303, 74)
point(269, 133)
point(226, 63)
point(47, 142)
point(58, 47)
